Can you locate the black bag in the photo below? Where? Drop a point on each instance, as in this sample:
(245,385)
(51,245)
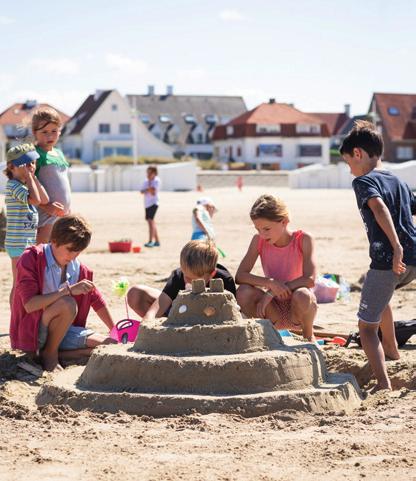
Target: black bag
(404,331)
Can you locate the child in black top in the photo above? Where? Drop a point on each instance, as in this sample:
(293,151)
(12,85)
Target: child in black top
(386,205)
(198,260)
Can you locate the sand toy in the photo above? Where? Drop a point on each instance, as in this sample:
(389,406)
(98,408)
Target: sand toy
(204,357)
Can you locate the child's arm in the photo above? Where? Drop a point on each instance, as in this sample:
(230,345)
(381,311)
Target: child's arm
(34,197)
(44,197)
(309,266)
(42,301)
(244,276)
(158,308)
(106,317)
(199,222)
(385,221)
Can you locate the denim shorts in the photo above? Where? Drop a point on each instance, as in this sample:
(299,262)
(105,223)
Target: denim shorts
(199,235)
(378,290)
(15,251)
(75,338)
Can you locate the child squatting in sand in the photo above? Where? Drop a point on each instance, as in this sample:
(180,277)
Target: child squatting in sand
(198,260)
(386,205)
(53,295)
(284,293)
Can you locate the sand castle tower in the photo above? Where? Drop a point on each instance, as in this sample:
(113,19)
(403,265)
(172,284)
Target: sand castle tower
(204,358)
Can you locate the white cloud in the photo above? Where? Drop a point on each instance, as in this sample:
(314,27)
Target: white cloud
(58,66)
(6,20)
(231,16)
(192,73)
(126,65)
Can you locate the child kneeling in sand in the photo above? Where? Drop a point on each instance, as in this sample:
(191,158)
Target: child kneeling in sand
(53,295)
(283,294)
(198,260)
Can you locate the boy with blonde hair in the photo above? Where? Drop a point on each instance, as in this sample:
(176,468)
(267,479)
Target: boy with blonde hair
(386,205)
(198,260)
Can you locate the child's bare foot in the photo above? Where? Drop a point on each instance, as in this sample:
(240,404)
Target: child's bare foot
(109,340)
(50,362)
(381,387)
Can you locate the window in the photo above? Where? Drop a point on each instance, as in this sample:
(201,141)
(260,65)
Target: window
(229,130)
(211,119)
(199,138)
(310,150)
(189,119)
(238,151)
(108,152)
(404,152)
(270,150)
(104,128)
(124,128)
(308,128)
(126,151)
(394,111)
(267,129)
(165,119)
(114,107)
(144,118)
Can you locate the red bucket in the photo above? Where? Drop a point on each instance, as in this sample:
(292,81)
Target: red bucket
(120,246)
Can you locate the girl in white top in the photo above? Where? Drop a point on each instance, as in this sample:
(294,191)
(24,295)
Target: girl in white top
(202,226)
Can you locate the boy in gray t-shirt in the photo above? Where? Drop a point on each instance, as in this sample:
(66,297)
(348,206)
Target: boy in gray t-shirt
(386,205)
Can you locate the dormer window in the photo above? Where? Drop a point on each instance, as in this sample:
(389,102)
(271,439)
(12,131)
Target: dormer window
(144,118)
(189,119)
(230,130)
(308,129)
(268,129)
(165,119)
(394,111)
(211,119)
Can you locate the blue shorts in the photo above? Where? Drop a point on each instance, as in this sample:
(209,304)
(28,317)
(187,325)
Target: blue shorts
(75,338)
(199,235)
(15,251)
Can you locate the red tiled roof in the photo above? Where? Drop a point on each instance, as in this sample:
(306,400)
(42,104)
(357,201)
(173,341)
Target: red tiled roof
(334,121)
(18,113)
(397,127)
(275,113)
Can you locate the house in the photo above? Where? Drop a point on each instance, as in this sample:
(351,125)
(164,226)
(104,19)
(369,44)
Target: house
(273,134)
(104,126)
(15,120)
(336,123)
(395,117)
(185,122)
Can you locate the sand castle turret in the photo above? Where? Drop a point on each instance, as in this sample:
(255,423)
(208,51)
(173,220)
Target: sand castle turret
(204,358)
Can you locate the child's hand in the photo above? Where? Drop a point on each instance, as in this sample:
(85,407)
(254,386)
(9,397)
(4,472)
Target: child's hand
(398,265)
(54,208)
(262,305)
(82,287)
(280,290)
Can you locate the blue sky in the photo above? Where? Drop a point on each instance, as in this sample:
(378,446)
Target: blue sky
(317,54)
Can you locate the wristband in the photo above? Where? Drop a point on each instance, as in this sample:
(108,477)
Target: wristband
(69,288)
(269,293)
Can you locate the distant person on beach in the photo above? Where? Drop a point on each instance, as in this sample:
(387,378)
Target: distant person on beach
(283,294)
(51,170)
(53,295)
(150,189)
(386,205)
(198,260)
(202,214)
(22,194)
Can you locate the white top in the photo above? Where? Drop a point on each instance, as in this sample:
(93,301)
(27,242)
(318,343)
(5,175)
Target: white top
(151,199)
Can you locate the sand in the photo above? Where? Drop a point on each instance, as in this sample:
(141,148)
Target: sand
(374,442)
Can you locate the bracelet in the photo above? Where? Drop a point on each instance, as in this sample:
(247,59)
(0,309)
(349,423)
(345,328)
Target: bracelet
(69,288)
(269,293)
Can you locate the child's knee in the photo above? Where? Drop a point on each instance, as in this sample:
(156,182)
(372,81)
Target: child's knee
(67,306)
(304,299)
(368,327)
(134,295)
(244,293)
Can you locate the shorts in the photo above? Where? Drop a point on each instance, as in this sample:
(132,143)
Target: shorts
(378,289)
(151,212)
(199,236)
(15,251)
(46,219)
(75,338)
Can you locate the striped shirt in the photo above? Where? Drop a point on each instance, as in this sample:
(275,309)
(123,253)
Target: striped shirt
(22,217)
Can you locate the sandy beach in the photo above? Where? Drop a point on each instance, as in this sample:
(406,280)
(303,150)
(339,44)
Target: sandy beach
(375,442)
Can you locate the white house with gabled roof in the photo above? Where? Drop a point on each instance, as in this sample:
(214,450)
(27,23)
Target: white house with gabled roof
(104,126)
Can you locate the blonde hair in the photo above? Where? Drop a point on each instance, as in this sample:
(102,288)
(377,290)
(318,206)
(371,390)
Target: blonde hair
(270,208)
(200,257)
(43,116)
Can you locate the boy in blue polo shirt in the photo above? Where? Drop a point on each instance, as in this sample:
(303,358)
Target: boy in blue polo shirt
(386,205)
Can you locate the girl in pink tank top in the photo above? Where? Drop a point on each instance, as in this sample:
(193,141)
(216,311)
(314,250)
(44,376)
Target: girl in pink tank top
(283,294)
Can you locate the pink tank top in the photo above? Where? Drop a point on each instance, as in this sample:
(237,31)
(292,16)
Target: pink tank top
(282,263)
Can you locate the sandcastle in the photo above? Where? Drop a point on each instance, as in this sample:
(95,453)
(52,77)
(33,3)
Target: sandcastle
(204,357)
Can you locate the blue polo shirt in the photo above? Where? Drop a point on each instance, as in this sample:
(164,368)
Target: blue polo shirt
(53,272)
